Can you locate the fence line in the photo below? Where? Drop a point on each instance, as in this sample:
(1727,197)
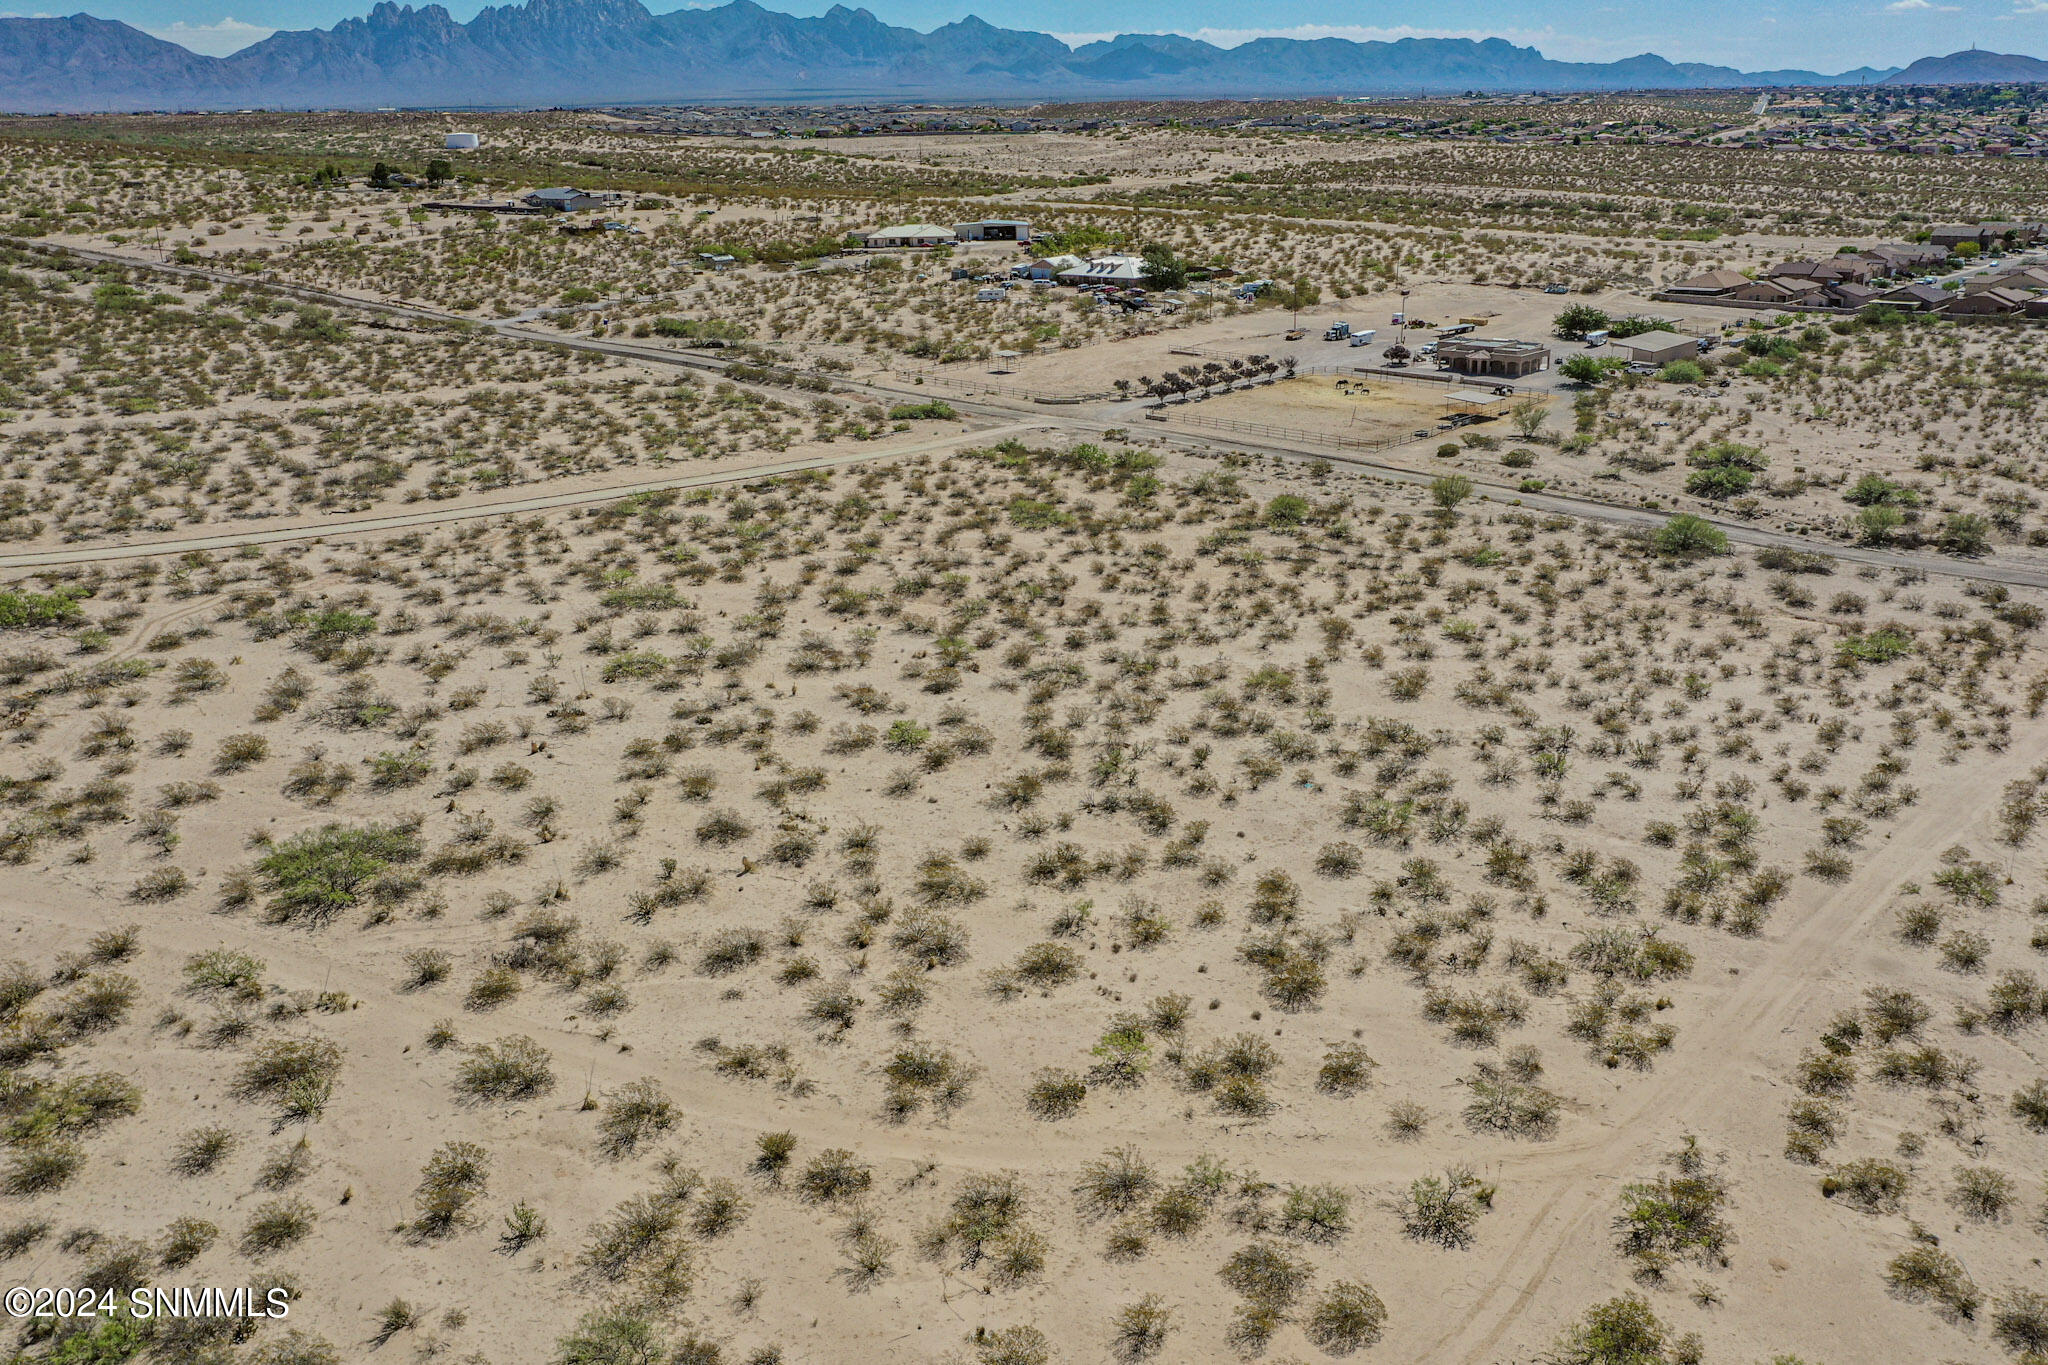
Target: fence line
(1321,438)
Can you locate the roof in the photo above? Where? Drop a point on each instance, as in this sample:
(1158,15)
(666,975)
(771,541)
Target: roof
(2012,297)
(558,192)
(1110,268)
(998,222)
(913,230)
(1658,340)
(1713,281)
(1471,343)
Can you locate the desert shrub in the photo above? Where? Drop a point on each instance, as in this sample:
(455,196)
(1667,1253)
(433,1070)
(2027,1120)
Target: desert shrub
(1315,1213)
(1623,1331)
(224,972)
(1116,1182)
(1057,1094)
(634,1112)
(1673,1217)
(1047,964)
(1925,1274)
(1868,1184)
(1267,1273)
(1509,1107)
(317,874)
(454,1177)
(1348,1316)
(614,1336)
(2030,1105)
(925,1073)
(772,1155)
(2019,1321)
(1686,536)
(1021,1345)
(1444,1209)
(185,1240)
(1139,1329)
(1981,1193)
(201,1150)
(514,1068)
(295,1074)
(1346,1069)
(987,1210)
(275,1225)
(832,1176)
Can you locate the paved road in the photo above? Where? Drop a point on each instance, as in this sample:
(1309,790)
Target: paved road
(1085,419)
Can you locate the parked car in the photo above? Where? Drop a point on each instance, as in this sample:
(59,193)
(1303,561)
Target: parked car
(1557,289)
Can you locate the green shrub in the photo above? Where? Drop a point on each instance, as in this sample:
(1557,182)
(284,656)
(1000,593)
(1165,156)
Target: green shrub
(1686,536)
(30,611)
(317,874)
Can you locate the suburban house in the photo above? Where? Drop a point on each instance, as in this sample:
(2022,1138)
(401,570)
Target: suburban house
(1774,290)
(2033,277)
(1117,270)
(1925,298)
(1829,269)
(1715,283)
(1987,235)
(1851,295)
(1493,357)
(1900,258)
(1990,303)
(994,230)
(2019,234)
(565,199)
(909,235)
(1657,348)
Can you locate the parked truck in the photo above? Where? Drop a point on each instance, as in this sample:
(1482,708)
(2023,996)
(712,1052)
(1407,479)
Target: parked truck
(1337,331)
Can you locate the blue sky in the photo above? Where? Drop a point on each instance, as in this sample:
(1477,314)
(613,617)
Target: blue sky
(1826,35)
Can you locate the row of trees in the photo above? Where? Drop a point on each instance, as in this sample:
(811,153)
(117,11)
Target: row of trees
(1209,375)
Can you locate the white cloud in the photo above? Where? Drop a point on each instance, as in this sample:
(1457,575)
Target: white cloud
(1920,7)
(2027,7)
(212,40)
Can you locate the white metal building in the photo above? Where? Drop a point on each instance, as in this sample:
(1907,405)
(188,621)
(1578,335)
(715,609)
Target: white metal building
(461,142)
(994,230)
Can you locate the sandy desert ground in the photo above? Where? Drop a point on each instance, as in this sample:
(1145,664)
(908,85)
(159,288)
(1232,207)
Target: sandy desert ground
(546,843)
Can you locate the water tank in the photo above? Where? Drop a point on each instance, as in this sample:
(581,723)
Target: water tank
(460,142)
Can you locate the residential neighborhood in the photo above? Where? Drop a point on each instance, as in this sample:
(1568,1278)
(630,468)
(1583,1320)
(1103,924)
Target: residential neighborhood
(1960,271)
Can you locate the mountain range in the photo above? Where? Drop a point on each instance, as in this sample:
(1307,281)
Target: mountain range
(587,52)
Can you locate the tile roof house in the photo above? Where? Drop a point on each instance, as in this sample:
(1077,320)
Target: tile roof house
(2033,277)
(1925,298)
(1712,283)
(1990,303)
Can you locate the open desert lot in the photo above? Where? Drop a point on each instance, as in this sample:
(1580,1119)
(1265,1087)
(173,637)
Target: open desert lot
(658,783)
